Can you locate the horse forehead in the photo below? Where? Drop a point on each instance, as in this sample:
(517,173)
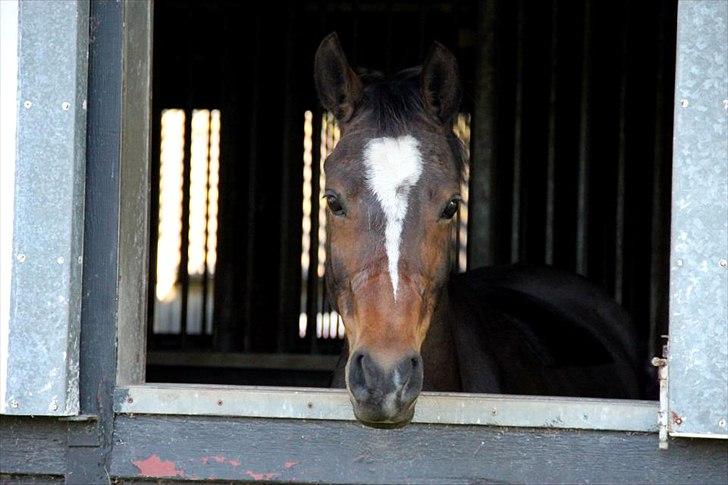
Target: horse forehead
(392,164)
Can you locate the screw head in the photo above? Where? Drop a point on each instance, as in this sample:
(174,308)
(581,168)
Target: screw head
(684,103)
(27,104)
(65,105)
(21,257)
(14,404)
(723,263)
(679,262)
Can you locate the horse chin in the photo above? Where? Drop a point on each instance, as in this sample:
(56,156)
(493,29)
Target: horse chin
(376,420)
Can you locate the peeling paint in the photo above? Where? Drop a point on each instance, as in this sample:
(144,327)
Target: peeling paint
(260,476)
(153,466)
(290,464)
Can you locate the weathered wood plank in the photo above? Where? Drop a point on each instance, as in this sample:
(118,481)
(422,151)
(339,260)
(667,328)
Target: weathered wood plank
(32,446)
(247,449)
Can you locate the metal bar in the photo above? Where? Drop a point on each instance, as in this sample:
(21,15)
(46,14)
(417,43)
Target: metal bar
(482,215)
(552,136)
(516,188)
(286,325)
(432,407)
(582,198)
(660,222)
(206,238)
(619,213)
(184,275)
(252,201)
(312,283)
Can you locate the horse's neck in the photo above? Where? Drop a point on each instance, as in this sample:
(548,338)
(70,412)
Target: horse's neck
(439,352)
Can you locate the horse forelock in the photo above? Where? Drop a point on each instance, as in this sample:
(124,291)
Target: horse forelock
(393,106)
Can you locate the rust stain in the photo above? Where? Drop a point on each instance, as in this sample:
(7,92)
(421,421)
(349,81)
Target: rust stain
(235,463)
(290,464)
(153,466)
(676,418)
(260,476)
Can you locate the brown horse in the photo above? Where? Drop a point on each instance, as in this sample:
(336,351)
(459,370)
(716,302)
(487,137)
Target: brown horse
(392,190)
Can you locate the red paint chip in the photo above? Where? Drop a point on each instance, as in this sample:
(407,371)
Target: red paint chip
(260,476)
(153,466)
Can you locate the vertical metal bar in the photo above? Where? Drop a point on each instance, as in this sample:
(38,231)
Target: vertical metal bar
(582,198)
(184,276)
(659,254)
(156,128)
(621,161)
(286,325)
(205,272)
(252,186)
(552,136)
(481,223)
(311,284)
(516,188)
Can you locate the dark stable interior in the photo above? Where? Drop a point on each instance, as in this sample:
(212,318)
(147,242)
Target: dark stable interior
(581,104)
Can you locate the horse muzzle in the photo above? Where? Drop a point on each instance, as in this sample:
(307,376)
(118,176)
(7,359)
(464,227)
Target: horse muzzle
(384,395)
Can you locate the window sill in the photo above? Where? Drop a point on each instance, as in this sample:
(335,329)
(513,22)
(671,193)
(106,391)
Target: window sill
(432,407)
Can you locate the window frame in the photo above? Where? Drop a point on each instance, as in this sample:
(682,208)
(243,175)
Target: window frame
(134,396)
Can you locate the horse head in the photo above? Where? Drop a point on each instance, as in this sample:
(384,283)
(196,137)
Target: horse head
(392,189)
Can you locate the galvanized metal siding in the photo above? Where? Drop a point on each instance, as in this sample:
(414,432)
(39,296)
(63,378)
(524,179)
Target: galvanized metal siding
(698,348)
(42,367)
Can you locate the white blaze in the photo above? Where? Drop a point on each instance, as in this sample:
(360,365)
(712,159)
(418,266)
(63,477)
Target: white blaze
(393,167)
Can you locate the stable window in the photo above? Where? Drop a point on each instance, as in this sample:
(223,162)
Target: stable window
(235,271)
(227,159)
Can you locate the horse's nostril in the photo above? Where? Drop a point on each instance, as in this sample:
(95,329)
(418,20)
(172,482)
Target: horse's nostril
(415,362)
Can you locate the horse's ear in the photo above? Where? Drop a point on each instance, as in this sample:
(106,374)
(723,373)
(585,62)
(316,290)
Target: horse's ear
(338,86)
(440,83)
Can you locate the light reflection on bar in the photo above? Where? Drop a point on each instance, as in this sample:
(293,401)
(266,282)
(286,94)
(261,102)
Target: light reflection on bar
(462,130)
(202,213)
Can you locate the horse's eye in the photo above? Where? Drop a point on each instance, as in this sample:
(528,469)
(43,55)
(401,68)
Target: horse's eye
(334,205)
(450,209)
